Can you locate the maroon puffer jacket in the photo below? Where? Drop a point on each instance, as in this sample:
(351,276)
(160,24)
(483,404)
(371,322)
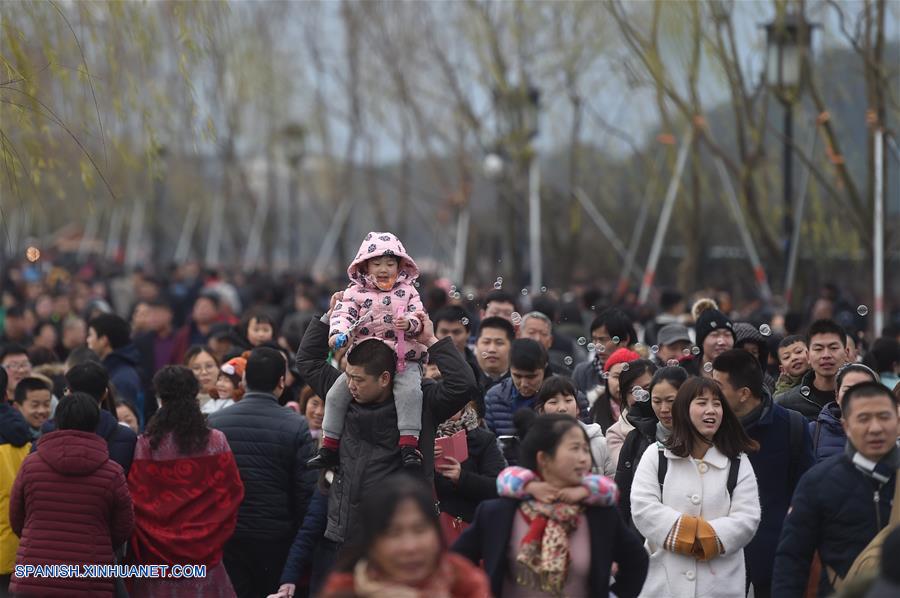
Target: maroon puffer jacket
(69,505)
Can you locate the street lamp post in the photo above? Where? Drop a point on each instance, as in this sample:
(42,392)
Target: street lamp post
(294,143)
(788,39)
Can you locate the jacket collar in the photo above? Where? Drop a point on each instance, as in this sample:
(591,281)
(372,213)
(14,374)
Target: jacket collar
(713,457)
(253,394)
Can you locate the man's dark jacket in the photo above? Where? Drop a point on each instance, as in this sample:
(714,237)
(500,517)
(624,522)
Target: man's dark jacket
(795,399)
(834,511)
(369,451)
(778,466)
(271,445)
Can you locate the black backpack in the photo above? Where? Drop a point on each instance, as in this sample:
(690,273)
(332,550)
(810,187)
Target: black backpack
(733,469)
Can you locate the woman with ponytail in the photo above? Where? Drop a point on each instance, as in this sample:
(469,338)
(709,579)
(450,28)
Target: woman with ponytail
(181,459)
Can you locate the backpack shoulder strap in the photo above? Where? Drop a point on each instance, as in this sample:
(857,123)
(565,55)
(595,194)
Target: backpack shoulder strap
(733,468)
(661,469)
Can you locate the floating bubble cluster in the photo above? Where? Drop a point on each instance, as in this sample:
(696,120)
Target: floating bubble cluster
(862,310)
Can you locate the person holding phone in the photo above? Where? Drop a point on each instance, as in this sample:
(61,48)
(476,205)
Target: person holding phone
(461,486)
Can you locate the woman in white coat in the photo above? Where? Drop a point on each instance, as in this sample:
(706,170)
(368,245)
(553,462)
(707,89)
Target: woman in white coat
(557,395)
(696,501)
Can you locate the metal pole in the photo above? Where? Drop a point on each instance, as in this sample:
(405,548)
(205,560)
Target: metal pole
(462,242)
(183,249)
(758,271)
(602,224)
(665,216)
(638,232)
(878,236)
(534,223)
(296,238)
(331,237)
(214,240)
(788,179)
(795,240)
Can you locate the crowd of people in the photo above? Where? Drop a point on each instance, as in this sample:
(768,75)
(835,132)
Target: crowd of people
(402,437)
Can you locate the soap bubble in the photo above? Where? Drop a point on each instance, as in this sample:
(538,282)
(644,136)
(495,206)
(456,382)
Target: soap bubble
(615,339)
(862,310)
(568,360)
(470,296)
(416,284)
(582,341)
(654,349)
(696,350)
(498,285)
(765,330)
(686,352)
(591,346)
(642,396)
(636,390)
(804,390)
(452,288)
(672,363)
(516,318)
(601,348)
(543,289)
(524,292)
(707,367)
(464,321)
(625,367)
(500,279)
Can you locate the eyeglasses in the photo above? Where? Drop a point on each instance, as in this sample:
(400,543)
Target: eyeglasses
(21,366)
(209,367)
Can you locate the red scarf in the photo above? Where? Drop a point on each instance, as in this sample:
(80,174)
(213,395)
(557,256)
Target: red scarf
(184,509)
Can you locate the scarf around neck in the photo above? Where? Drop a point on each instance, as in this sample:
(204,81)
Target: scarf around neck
(881,471)
(368,584)
(468,422)
(543,558)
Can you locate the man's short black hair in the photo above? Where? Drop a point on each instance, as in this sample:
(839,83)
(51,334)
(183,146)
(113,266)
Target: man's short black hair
(452,313)
(114,328)
(77,411)
(12,349)
(865,390)
(617,323)
(743,370)
(498,323)
(16,311)
(81,355)
(30,384)
(546,305)
(826,327)
(88,377)
(374,357)
(527,354)
(790,340)
(669,298)
(265,367)
(499,296)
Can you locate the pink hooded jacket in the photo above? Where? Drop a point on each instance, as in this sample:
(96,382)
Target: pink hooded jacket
(376,309)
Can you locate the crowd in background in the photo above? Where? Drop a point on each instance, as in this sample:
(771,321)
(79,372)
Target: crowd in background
(688,448)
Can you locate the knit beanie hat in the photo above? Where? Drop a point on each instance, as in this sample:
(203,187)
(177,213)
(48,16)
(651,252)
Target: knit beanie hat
(708,319)
(620,356)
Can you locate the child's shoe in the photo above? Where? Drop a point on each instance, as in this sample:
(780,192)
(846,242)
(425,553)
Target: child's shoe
(325,458)
(411,458)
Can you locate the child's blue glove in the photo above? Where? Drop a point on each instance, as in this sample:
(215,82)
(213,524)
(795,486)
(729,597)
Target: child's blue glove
(341,340)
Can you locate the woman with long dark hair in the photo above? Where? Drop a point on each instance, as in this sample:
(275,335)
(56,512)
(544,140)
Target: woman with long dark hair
(558,546)
(695,498)
(181,459)
(401,552)
(651,416)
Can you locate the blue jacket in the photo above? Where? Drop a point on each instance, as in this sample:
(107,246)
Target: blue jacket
(503,400)
(305,556)
(827,433)
(120,440)
(778,465)
(14,430)
(122,366)
(487,540)
(835,512)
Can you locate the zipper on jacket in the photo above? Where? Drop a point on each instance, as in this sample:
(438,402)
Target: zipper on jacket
(877,500)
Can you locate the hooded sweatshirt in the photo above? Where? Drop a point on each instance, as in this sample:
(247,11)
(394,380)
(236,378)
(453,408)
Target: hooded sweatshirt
(79,531)
(603,463)
(372,310)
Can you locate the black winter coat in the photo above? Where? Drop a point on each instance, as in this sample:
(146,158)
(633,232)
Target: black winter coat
(795,400)
(477,480)
(836,510)
(487,539)
(271,445)
(634,447)
(369,451)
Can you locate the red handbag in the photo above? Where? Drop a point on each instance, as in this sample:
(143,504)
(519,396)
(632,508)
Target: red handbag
(452,527)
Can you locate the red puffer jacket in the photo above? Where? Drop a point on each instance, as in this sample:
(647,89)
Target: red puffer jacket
(69,505)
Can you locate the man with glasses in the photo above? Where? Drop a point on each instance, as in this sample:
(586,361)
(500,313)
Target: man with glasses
(14,359)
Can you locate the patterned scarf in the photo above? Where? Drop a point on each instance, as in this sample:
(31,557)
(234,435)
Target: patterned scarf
(468,422)
(543,559)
